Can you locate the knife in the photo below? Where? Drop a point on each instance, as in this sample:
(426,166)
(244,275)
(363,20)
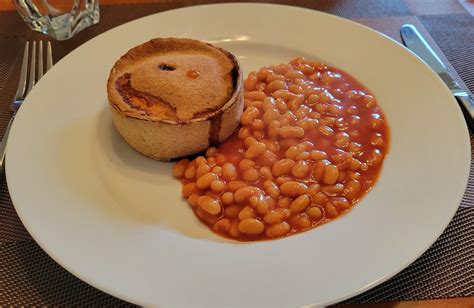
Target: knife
(416,43)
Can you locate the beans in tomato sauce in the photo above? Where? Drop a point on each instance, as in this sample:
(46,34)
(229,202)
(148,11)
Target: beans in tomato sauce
(311,144)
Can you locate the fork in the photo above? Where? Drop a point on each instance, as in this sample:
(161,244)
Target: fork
(23,87)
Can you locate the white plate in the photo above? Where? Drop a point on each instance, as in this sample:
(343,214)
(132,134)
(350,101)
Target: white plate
(116,219)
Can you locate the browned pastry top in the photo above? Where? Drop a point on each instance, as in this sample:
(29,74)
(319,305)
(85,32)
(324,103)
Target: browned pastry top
(171,79)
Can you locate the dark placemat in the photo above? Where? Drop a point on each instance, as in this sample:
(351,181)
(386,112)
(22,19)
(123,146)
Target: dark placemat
(29,277)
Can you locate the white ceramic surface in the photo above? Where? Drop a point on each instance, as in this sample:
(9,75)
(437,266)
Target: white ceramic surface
(116,219)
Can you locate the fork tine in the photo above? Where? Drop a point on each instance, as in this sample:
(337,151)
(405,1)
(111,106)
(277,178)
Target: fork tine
(31,82)
(24,70)
(40,60)
(49,57)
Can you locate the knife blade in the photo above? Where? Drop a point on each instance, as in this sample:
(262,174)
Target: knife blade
(414,41)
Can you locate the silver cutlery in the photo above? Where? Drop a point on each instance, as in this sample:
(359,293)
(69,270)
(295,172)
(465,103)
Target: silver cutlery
(416,43)
(36,71)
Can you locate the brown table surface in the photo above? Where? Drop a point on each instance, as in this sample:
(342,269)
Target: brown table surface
(383,15)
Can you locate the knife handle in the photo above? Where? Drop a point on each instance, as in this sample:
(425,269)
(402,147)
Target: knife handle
(467,101)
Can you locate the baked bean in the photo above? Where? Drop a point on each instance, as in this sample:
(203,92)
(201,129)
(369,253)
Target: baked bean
(303,156)
(262,207)
(287,143)
(227,198)
(270,115)
(291,132)
(255,95)
(236,185)
(282,167)
(300,204)
(318,155)
(205,180)
(330,210)
(217,170)
(268,104)
(190,172)
(258,134)
(288,119)
(319,169)
(234,228)
(300,169)
(281,105)
(232,211)
(282,68)
(313,189)
(331,174)
(355,148)
(295,103)
(245,164)
(202,169)
(278,229)
(249,141)
(257,124)
(217,186)
(307,123)
(251,83)
(256,104)
(263,73)
(293,188)
(284,94)
(340,203)
(266,173)
(302,112)
(314,212)
(352,189)
(376,139)
(255,150)
(244,133)
(189,189)
(284,202)
(375,157)
(276,85)
(200,160)
(211,161)
(273,217)
(326,130)
(376,121)
(305,69)
(273,127)
(303,221)
(222,225)
(353,175)
(294,88)
(324,98)
(250,175)
(209,205)
(246,212)
(320,198)
(294,74)
(192,200)
(250,114)
(244,193)
(272,189)
(333,190)
(369,101)
(229,172)
(180,167)
(251,226)
(283,179)
(220,159)
(342,140)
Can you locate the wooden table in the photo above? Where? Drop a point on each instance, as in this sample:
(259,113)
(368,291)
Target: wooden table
(418,7)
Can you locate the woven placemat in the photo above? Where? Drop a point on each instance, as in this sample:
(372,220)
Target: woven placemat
(29,277)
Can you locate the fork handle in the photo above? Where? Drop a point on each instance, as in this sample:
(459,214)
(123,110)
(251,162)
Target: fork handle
(3,146)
